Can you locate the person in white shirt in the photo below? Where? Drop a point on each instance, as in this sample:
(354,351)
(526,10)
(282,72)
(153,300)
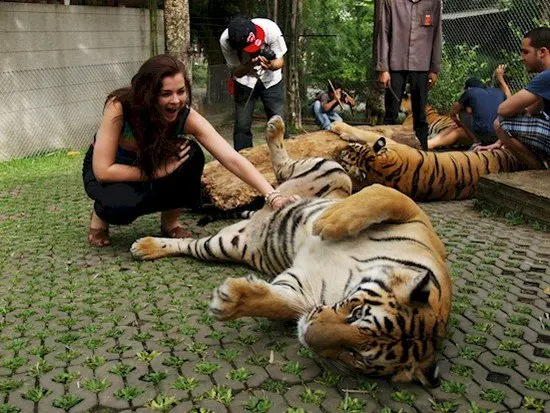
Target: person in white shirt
(254,50)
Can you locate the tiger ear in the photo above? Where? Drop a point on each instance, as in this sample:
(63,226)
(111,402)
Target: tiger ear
(379,144)
(419,287)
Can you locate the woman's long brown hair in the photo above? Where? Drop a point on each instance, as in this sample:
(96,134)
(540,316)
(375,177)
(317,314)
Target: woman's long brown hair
(139,104)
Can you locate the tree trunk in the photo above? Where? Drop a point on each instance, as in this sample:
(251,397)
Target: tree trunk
(294,113)
(153,13)
(177,30)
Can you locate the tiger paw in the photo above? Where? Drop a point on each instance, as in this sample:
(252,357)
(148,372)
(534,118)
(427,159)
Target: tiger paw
(234,298)
(148,248)
(338,222)
(275,128)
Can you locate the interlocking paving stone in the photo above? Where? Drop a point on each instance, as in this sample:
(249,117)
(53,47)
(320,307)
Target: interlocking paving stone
(69,308)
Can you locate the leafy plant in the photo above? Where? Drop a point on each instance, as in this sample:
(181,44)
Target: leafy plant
(128,393)
(258,360)
(533,403)
(185,383)
(541,368)
(313,396)
(493,395)
(538,384)
(503,361)
(275,386)
(154,377)
(444,406)
(241,374)
(509,345)
(96,385)
(174,361)
(94,362)
(65,377)
(352,405)
(221,394)
(36,394)
(162,403)
(121,369)
(449,386)
(205,367)
(67,401)
(457,64)
(404,396)
(258,404)
(292,367)
(148,356)
(227,354)
(8,408)
(462,370)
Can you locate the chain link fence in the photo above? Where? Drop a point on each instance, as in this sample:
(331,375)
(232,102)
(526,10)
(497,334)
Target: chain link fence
(45,110)
(478,36)
(49,109)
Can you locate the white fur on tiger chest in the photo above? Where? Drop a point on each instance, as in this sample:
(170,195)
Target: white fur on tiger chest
(334,265)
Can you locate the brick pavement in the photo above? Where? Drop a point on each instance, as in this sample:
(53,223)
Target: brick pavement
(92,330)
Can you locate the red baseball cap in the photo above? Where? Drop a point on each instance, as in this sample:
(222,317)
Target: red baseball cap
(245,35)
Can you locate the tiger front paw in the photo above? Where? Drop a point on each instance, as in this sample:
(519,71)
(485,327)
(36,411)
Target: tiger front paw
(233,298)
(148,248)
(338,222)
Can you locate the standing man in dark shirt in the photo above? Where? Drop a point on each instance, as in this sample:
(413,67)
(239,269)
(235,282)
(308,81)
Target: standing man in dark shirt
(408,48)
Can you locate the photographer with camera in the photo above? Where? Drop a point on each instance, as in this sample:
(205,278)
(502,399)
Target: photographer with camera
(325,103)
(254,50)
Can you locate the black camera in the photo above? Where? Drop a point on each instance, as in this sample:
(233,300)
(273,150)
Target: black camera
(266,52)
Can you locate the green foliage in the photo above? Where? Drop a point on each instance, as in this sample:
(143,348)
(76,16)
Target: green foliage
(457,64)
(339,41)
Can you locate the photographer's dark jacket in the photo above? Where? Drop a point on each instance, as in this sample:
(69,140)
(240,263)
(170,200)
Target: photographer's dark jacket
(408,35)
(273,39)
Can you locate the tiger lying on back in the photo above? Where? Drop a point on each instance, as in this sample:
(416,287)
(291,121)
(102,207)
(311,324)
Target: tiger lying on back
(422,175)
(365,275)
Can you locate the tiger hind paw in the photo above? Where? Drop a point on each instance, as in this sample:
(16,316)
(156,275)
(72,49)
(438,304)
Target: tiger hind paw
(148,248)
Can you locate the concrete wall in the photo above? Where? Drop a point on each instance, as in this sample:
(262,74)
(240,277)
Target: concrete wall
(57,65)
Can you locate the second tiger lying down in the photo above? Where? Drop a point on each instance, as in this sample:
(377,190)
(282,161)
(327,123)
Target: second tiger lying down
(422,175)
(364,276)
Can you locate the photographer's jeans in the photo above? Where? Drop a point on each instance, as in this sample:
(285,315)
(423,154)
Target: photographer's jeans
(323,119)
(273,100)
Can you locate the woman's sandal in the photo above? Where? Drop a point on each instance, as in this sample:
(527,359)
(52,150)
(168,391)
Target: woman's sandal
(176,232)
(99,237)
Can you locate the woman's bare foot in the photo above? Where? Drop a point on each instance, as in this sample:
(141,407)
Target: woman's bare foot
(99,232)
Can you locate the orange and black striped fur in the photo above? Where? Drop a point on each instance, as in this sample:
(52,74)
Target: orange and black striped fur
(437,122)
(365,276)
(422,175)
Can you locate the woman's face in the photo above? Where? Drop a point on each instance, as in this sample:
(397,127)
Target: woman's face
(172,97)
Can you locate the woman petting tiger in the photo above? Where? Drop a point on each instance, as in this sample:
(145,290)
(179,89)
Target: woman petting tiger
(365,275)
(422,175)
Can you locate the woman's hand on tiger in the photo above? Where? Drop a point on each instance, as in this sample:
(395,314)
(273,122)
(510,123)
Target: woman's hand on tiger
(174,163)
(281,201)
(384,78)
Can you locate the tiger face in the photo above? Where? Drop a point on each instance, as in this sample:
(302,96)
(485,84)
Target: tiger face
(359,161)
(387,326)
